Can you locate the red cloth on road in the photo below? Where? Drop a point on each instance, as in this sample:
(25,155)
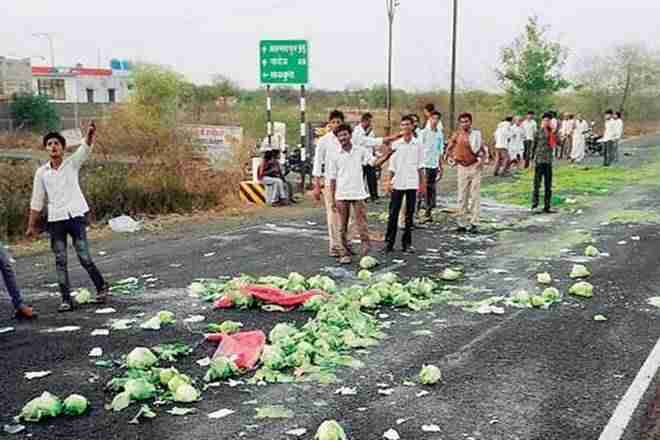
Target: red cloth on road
(244,348)
(270,295)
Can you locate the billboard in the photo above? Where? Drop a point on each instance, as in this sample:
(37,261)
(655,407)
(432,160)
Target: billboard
(217,139)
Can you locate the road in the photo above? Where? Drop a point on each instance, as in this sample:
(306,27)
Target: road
(527,374)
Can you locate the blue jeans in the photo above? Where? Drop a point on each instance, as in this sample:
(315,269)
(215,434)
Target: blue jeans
(76,228)
(9,277)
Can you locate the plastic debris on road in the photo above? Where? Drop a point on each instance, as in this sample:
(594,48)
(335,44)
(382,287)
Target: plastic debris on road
(219,414)
(244,348)
(37,374)
(124,224)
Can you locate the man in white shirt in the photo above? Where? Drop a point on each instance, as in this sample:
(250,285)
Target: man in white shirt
(619,135)
(406,178)
(502,141)
(58,182)
(609,136)
(566,135)
(325,147)
(530,128)
(363,136)
(348,191)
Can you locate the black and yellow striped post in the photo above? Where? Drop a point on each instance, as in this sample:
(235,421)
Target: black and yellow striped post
(253,192)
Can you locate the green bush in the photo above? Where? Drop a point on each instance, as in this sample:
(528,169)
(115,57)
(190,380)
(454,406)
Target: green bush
(35,112)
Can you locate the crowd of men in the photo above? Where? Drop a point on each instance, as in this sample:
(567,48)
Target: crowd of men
(345,171)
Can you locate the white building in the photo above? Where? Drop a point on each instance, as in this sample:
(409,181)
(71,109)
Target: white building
(15,76)
(81,84)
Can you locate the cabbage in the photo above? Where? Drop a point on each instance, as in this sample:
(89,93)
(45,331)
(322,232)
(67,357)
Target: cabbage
(46,405)
(221,368)
(166,317)
(450,275)
(371,300)
(591,251)
(389,278)
(323,283)
(421,286)
(430,375)
(239,300)
(121,401)
(551,294)
(177,381)
(141,358)
(521,298)
(544,278)
(538,301)
(368,262)
(315,303)
(279,282)
(330,430)
(600,318)
(303,354)
(273,358)
(364,275)
(402,298)
(197,289)
(75,405)
(281,331)
(84,296)
(227,327)
(151,324)
(186,393)
(579,271)
(139,389)
(582,289)
(296,283)
(166,374)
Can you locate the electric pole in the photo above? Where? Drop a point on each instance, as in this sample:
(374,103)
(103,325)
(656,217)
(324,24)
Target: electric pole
(49,36)
(391,7)
(452,97)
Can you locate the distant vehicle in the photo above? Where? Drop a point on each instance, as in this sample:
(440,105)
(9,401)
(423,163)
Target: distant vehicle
(593,146)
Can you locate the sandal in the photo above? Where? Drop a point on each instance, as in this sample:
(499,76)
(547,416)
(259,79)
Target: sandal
(65,307)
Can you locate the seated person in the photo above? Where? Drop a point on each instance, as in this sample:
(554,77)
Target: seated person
(270,174)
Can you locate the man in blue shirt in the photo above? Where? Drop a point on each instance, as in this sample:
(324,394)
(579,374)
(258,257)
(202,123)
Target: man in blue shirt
(433,145)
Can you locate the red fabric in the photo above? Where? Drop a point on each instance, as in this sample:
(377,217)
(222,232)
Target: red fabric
(271,295)
(552,137)
(244,348)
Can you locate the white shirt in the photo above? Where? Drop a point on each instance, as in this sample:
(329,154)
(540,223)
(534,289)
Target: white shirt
(345,167)
(530,127)
(405,163)
(327,145)
(567,127)
(503,135)
(62,187)
(360,138)
(517,139)
(611,131)
(580,128)
(619,128)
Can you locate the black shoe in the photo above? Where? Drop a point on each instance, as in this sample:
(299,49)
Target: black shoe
(409,250)
(535,206)
(387,250)
(461,229)
(549,211)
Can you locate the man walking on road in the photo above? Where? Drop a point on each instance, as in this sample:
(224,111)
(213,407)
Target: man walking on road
(609,137)
(465,149)
(542,154)
(347,189)
(58,182)
(433,144)
(22,311)
(530,128)
(406,178)
(502,140)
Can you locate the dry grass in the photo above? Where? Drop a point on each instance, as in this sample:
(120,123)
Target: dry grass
(20,140)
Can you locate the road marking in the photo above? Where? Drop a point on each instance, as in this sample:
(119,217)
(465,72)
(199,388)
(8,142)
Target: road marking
(623,413)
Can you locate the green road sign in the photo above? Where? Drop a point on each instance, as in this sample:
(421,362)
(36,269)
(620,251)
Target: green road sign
(284,61)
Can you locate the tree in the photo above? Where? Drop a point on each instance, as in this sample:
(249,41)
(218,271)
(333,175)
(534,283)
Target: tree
(157,89)
(224,86)
(531,71)
(35,112)
(618,78)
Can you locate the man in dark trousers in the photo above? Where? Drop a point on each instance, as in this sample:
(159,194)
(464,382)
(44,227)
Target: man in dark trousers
(406,179)
(543,150)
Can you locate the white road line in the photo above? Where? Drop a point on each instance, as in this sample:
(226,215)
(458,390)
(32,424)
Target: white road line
(616,427)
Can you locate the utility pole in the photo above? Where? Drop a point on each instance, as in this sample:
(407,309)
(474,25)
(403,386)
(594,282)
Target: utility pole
(452,97)
(49,36)
(391,7)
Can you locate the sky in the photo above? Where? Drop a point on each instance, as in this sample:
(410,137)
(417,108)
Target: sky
(347,38)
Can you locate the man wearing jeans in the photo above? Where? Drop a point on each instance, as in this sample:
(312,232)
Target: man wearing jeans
(406,178)
(467,152)
(22,311)
(58,181)
(542,154)
(433,144)
(609,137)
(348,191)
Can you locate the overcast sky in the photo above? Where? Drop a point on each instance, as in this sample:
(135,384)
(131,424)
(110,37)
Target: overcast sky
(347,37)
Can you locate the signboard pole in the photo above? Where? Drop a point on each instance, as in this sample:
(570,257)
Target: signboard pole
(303,133)
(269,117)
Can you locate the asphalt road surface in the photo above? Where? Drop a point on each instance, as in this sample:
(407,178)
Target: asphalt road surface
(526,374)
